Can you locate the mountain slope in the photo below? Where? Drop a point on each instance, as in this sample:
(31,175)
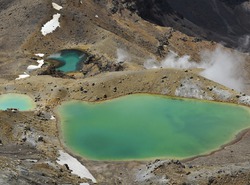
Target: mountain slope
(218,20)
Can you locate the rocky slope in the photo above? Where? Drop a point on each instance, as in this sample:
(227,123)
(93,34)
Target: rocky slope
(218,20)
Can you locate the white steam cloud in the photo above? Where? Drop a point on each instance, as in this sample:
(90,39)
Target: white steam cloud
(246,6)
(222,66)
(244,42)
(172,60)
(122,56)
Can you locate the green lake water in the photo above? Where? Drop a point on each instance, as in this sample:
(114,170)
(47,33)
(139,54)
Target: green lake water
(70,60)
(18,101)
(149,126)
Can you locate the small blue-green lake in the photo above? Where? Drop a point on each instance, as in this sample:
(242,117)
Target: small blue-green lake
(149,126)
(18,101)
(69,60)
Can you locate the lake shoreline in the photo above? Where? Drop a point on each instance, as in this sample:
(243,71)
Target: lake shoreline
(238,137)
(210,152)
(60,61)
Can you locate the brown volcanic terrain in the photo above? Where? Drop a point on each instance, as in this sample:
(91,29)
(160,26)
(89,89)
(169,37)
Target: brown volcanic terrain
(30,140)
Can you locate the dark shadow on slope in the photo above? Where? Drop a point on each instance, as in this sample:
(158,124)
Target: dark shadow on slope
(217,20)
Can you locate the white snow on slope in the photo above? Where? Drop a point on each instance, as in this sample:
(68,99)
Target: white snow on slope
(56,6)
(74,165)
(24,75)
(52,117)
(33,67)
(39,54)
(51,25)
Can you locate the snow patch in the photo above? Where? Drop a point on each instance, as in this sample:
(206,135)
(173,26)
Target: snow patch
(51,25)
(33,67)
(56,6)
(52,117)
(40,62)
(39,55)
(22,76)
(74,165)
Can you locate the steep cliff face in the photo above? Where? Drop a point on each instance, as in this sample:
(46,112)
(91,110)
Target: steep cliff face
(218,20)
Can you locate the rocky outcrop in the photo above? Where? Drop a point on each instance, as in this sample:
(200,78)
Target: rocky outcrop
(217,20)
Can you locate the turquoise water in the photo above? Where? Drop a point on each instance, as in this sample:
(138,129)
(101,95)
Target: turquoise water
(18,101)
(149,126)
(70,60)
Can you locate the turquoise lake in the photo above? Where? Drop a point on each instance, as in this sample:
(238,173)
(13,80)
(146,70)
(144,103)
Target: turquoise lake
(18,101)
(149,126)
(70,60)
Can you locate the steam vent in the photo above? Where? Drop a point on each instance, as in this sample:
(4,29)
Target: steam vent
(125,92)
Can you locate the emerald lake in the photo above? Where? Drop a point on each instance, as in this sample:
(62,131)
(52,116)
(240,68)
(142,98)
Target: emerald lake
(18,101)
(69,60)
(146,126)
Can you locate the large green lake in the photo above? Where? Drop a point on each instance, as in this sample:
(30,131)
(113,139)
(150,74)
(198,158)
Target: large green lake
(70,60)
(149,126)
(18,101)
